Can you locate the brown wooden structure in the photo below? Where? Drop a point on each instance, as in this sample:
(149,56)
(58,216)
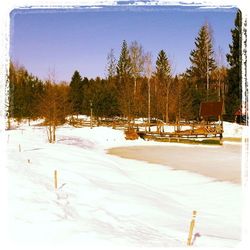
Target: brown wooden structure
(210,125)
(211,110)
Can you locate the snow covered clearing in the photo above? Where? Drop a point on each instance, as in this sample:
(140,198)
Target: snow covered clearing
(107,201)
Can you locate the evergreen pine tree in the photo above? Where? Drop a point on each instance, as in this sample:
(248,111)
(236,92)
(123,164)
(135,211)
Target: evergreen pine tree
(20,89)
(24,90)
(76,92)
(163,74)
(124,84)
(202,59)
(124,64)
(233,97)
(163,69)
(10,104)
(30,97)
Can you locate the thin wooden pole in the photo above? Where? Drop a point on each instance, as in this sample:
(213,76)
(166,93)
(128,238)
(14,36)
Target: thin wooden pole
(19,147)
(191,228)
(55,179)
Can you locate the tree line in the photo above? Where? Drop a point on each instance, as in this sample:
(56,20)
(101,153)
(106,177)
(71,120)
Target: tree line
(135,86)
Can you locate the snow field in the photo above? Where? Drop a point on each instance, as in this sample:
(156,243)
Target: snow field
(105,201)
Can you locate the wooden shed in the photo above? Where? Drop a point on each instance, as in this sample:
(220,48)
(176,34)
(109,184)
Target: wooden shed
(211,110)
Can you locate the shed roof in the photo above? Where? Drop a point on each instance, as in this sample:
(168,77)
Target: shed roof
(211,109)
(240,111)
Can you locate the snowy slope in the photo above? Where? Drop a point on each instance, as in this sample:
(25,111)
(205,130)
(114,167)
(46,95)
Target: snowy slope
(106,201)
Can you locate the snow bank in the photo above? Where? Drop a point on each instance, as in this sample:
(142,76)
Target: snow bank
(235,130)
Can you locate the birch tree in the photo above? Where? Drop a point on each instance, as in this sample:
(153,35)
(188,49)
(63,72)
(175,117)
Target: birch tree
(111,65)
(137,61)
(148,73)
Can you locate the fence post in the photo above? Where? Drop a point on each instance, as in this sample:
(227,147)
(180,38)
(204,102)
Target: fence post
(191,228)
(19,147)
(55,179)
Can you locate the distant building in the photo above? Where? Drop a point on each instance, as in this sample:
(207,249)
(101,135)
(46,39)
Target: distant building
(240,115)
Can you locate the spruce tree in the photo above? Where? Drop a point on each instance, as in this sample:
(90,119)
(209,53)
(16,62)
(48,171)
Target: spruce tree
(10,100)
(20,93)
(233,97)
(30,97)
(124,84)
(124,64)
(163,75)
(163,69)
(202,59)
(76,93)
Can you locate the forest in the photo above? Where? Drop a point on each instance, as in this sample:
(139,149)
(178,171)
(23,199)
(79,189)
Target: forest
(135,86)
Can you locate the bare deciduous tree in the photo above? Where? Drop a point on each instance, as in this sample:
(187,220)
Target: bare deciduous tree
(148,73)
(54,106)
(137,61)
(111,65)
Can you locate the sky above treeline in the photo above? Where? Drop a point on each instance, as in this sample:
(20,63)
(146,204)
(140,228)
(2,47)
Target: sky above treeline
(64,40)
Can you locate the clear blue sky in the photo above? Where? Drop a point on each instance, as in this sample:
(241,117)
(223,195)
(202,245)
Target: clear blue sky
(80,39)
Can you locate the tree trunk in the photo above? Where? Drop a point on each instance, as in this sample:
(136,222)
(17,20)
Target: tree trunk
(167,119)
(207,74)
(9,125)
(134,86)
(49,133)
(148,104)
(54,134)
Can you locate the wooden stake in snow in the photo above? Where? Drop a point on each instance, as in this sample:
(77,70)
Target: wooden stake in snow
(191,228)
(55,179)
(19,146)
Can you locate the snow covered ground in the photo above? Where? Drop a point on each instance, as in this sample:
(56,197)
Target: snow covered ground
(104,201)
